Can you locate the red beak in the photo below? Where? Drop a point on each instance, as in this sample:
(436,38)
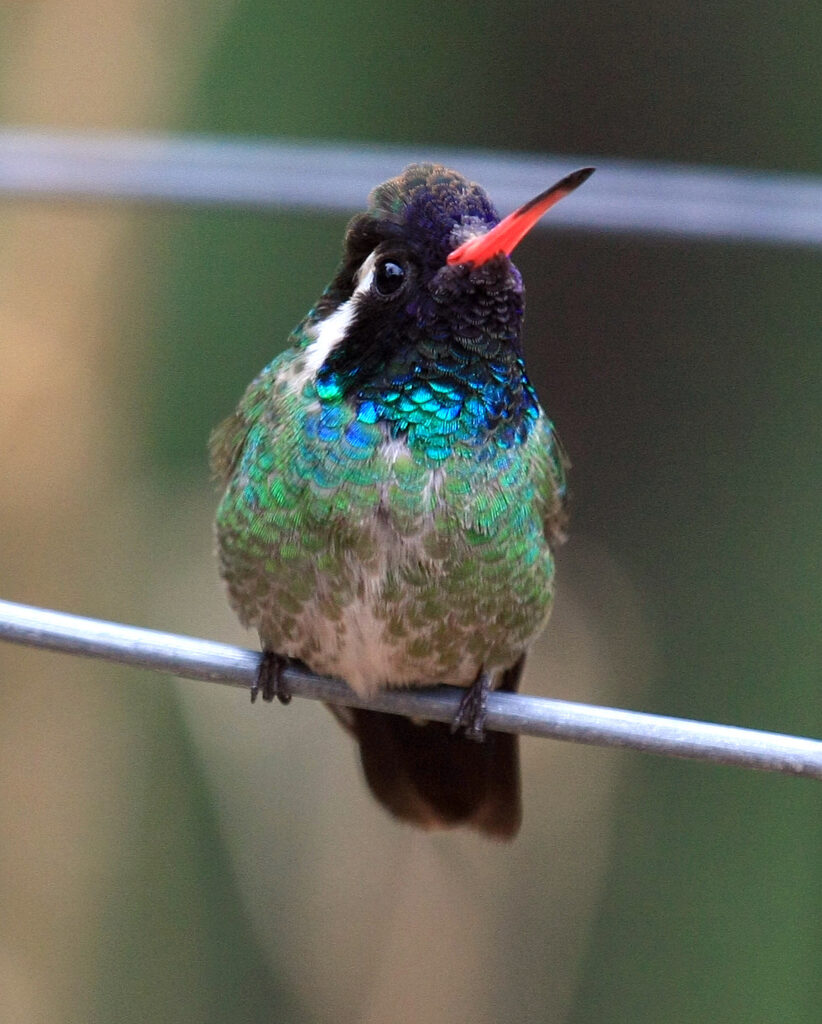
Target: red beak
(507,235)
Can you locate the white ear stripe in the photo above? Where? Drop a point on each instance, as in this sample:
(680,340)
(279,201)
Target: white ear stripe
(330,332)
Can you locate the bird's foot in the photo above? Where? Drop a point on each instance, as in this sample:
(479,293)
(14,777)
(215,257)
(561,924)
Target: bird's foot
(473,709)
(270,680)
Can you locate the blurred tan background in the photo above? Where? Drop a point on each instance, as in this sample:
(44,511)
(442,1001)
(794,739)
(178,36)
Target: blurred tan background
(168,851)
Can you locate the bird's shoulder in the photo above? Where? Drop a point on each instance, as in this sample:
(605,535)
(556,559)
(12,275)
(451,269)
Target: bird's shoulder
(261,400)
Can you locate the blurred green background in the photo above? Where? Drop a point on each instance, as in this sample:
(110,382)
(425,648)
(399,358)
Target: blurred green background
(168,852)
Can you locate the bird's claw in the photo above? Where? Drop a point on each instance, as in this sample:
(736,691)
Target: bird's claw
(269,681)
(473,709)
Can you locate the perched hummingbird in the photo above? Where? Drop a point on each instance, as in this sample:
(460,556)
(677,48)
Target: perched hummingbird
(393,491)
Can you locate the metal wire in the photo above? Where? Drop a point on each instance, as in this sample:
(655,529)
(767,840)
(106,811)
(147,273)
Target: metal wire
(507,712)
(624,196)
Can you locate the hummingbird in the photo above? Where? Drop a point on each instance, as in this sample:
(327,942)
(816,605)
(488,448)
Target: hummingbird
(394,492)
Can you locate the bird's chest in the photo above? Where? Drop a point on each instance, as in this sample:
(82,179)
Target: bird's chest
(370,561)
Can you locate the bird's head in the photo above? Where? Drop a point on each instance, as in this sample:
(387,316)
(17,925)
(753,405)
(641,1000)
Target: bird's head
(421,325)
(429,265)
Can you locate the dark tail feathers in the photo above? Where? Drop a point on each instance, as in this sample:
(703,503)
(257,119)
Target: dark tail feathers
(424,774)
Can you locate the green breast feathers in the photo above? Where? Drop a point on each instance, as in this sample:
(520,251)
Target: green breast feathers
(346,545)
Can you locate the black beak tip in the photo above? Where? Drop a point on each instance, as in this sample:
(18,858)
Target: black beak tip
(577,178)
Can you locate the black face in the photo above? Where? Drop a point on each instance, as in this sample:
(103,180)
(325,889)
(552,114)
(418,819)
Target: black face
(411,308)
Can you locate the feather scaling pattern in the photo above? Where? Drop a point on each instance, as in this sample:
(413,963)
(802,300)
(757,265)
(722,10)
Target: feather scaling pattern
(393,488)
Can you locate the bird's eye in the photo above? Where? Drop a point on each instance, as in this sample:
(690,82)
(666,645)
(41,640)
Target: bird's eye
(388,277)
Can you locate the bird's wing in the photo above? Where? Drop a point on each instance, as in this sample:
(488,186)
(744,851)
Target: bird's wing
(557,463)
(226,444)
(228,439)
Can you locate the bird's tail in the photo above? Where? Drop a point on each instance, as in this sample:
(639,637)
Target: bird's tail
(426,775)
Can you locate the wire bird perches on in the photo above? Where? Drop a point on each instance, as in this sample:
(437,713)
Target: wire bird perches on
(507,712)
(627,195)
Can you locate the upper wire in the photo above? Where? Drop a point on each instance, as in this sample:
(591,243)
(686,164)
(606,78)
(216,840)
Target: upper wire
(644,198)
